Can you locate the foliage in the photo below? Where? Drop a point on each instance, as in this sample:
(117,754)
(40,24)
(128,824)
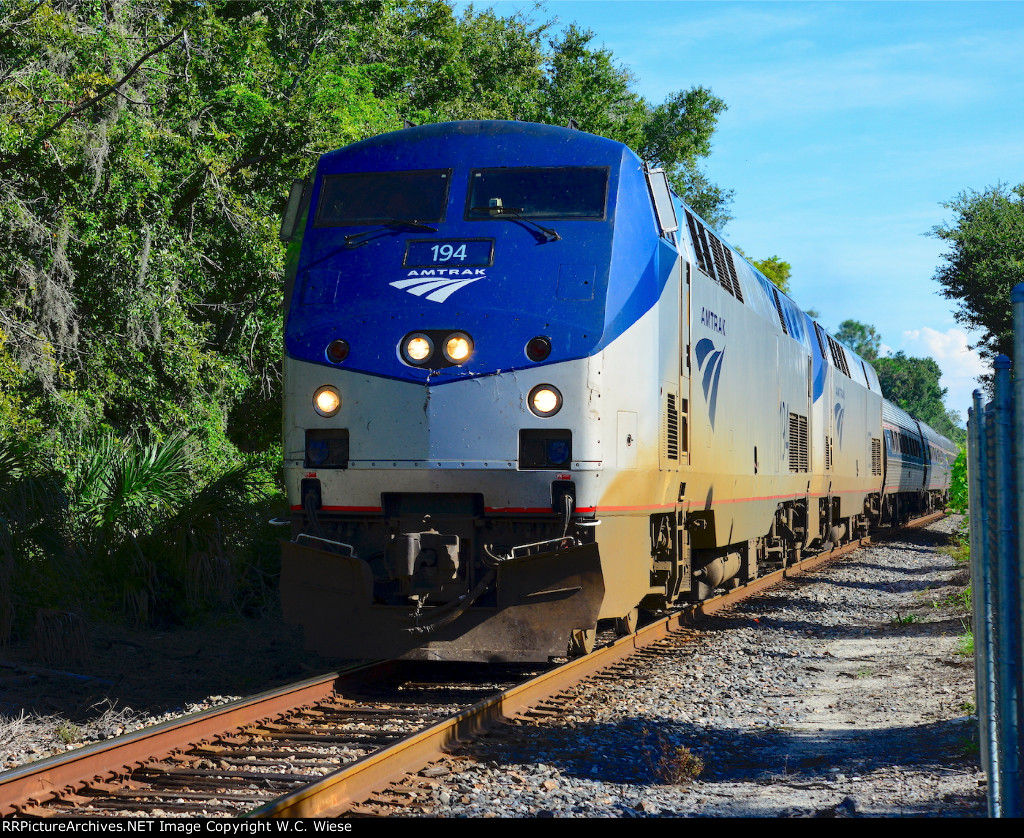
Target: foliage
(129,531)
(146,149)
(776,270)
(584,84)
(860,337)
(985,261)
(32,515)
(958,483)
(667,761)
(913,384)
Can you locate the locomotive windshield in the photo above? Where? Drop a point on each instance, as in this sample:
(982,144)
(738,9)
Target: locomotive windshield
(381,197)
(577,192)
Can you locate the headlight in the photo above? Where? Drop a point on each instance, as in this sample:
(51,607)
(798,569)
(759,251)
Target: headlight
(326,401)
(545,400)
(458,347)
(417,349)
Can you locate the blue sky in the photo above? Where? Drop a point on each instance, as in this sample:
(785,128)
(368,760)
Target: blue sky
(849,124)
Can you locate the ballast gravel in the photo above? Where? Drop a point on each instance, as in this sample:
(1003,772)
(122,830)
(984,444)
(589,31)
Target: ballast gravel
(839,693)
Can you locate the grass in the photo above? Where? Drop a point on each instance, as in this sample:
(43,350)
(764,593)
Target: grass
(961,599)
(905,619)
(965,643)
(959,547)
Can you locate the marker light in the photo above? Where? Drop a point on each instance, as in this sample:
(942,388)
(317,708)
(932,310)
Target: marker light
(418,349)
(326,401)
(458,347)
(337,351)
(545,400)
(538,348)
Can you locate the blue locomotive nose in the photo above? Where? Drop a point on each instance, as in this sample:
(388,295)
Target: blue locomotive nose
(401,231)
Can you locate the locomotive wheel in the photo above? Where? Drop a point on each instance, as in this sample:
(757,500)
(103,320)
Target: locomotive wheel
(581,642)
(627,625)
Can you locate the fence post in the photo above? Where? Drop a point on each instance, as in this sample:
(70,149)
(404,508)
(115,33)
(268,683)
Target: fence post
(1017,559)
(981,600)
(1007,599)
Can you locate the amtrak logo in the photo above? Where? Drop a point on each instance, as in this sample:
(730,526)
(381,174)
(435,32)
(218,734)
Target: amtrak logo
(709,361)
(840,413)
(438,284)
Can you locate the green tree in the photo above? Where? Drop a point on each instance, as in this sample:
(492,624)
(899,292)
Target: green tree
(860,337)
(585,84)
(984,262)
(913,384)
(146,149)
(776,270)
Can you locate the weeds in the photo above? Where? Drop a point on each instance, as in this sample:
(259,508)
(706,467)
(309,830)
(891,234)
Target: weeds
(965,643)
(959,548)
(967,747)
(961,599)
(905,619)
(68,732)
(669,762)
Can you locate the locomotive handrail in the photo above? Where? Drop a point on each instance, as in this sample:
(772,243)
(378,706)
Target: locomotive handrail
(538,544)
(306,535)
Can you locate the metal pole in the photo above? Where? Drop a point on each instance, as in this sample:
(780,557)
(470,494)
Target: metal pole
(1017,432)
(1007,596)
(981,601)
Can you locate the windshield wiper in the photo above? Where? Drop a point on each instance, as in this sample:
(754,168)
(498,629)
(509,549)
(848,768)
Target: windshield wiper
(353,240)
(513,213)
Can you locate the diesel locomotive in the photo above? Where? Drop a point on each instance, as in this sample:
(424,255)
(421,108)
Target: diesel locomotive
(528,389)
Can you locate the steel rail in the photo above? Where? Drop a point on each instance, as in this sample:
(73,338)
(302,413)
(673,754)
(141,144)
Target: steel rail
(333,794)
(34,783)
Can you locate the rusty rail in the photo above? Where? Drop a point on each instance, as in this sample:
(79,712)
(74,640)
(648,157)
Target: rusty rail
(334,794)
(35,783)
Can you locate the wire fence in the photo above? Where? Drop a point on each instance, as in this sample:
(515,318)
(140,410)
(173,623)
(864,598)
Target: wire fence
(995,455)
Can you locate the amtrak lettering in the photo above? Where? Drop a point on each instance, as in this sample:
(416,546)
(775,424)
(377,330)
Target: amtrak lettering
(712,321)
(425,283)
(479,273)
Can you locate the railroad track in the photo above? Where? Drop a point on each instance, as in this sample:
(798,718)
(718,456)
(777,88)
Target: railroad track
(351,742)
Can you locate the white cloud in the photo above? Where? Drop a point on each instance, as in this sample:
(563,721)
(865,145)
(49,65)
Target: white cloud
(960,364)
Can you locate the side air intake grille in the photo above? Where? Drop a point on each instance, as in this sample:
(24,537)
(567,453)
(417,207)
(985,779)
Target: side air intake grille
(876,456)
(671,436)
(778,308)
(838,356)
(828,453)
(821,345)
(713,257)
(798,459)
